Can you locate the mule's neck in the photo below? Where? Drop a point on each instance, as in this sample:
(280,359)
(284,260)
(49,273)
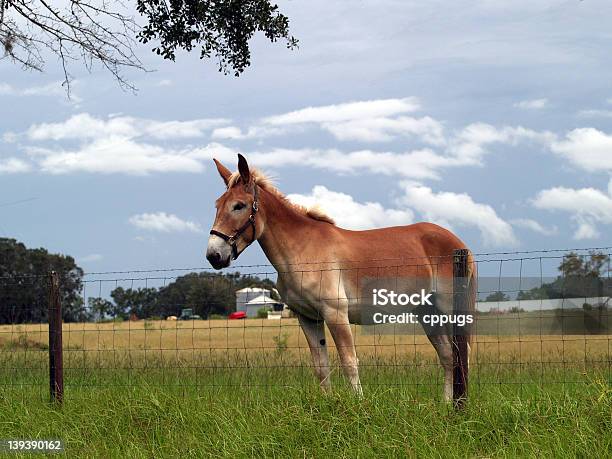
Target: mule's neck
(286,232)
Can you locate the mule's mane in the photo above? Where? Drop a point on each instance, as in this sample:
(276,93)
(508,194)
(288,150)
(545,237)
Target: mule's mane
(314,212)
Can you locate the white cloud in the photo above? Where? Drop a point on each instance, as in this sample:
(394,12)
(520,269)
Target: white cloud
(469,143)
(228,132)
(346,112)
(366,121)
(532,104)
(386,129)
(253,132)
(9,137)
(586,230)
(115,155)
(84,126)
(418,164)
(52,89)
(163,222)
(351,214)
(137,153)
(595,113)
(466,149)
(534,226)
(587,148)
(115,145)
(163,83)
(587,207)
(13,166)
(448,209)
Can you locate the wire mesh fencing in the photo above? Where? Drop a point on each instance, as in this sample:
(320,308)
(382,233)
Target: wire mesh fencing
(541,327)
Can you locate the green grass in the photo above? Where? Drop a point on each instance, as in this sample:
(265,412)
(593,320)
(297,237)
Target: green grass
(271,407)
(153,422)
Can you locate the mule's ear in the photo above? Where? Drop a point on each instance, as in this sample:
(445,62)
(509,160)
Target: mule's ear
(243,168)
(224,172)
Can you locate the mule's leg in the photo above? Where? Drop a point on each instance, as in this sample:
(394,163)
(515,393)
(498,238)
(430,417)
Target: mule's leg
(315,336)
(340,329)
(442,345)
(440,338)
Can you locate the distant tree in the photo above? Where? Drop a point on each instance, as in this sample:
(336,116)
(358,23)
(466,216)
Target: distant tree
(580,276)
(100,307)
(497,296)
(536,293)
(207,293)
(141,302)
(24,283)
(593,265)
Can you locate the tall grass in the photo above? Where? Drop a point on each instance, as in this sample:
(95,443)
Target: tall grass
(148,420)
(241,392)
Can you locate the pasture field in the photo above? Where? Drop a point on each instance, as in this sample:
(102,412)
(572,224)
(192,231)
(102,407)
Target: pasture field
(246,389)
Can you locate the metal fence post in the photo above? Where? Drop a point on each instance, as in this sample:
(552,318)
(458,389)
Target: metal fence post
(56,361)
(460,338)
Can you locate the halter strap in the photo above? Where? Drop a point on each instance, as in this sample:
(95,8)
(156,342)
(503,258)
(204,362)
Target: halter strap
(231,240)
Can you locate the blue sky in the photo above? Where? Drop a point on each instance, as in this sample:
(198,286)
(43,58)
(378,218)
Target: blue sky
(493,118)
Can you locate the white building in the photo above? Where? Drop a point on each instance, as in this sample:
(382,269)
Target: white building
(253,306)
(243,296)
(252,299)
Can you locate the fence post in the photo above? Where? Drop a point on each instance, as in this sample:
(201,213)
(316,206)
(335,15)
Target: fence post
(56,361)
(460,338)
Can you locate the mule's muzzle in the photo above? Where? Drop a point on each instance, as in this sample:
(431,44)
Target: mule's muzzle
(216,259)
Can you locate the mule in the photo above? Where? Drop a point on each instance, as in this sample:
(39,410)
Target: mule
(320,265)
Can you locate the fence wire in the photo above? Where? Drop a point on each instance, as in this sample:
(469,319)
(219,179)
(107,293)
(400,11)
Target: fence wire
(542,328)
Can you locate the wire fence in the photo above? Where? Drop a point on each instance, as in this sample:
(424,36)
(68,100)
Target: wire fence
(541,327)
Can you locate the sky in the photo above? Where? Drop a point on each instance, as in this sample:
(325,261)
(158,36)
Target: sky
(489,117)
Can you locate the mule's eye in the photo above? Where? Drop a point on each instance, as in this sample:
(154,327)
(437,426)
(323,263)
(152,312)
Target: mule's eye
(239,206)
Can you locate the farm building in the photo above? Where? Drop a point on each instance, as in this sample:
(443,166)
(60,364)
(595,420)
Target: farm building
(252,299)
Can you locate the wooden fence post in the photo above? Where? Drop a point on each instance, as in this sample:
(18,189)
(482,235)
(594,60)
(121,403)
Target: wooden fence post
(460,338)
(56,361)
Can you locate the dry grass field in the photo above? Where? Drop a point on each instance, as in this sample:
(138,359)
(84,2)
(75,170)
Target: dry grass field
(238,342)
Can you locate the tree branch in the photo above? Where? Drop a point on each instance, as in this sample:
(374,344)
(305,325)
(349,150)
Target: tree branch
(84,30)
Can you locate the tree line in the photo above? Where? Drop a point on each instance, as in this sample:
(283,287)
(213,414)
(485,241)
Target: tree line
(580,277)
(206,293)
(24,283)
(24,290)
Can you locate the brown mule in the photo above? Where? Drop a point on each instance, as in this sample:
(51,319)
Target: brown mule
(321,266)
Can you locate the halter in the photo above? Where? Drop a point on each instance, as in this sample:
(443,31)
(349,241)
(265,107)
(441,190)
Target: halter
(231,240)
